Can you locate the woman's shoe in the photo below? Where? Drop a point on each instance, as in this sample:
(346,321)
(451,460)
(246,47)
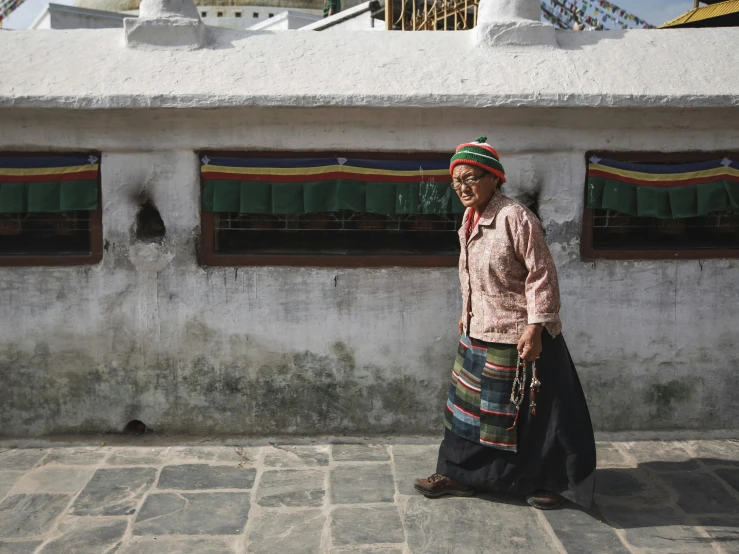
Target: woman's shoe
(439,485)
(544,500)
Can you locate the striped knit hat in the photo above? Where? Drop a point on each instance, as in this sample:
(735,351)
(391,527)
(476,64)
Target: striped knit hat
(480,154)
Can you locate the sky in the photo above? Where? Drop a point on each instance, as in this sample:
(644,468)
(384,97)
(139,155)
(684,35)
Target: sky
(655,12)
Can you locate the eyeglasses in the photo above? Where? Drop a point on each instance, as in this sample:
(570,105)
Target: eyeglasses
(469,182)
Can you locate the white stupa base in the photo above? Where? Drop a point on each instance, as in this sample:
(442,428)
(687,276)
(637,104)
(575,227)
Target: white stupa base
(175,33)
(520,32)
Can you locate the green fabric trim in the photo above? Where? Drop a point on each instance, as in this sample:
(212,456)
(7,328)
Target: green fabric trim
(258,197)
(663,202)
(57,196)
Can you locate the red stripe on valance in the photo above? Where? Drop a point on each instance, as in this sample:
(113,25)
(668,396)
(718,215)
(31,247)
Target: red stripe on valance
(322,177)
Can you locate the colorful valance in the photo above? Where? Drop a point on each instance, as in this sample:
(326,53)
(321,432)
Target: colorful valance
(664,191)
(310,185)
(48,183)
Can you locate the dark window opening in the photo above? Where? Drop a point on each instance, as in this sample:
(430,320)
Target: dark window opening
(610,234)
(426,237)
(237,14)
(219,14)
(54,218)
(336,233)
(271,15)
(616,231)
(45,234)
(203,14)
(255,15)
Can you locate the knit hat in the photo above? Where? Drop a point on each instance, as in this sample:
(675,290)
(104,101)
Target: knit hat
(480,154)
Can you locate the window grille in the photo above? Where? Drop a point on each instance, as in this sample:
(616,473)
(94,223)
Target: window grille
(343,232)
(45,233)
(50,209)
(661,206)
(319,209)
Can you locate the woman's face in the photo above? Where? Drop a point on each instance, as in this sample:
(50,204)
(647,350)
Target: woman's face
(474,186)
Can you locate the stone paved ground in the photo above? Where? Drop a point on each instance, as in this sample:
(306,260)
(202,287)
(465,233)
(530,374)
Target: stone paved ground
(652,497)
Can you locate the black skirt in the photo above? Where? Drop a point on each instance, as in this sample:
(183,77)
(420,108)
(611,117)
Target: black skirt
(556,447)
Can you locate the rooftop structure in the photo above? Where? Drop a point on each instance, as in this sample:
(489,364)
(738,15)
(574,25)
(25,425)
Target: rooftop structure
(716,14)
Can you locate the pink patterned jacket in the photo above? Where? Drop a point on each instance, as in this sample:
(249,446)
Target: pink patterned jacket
(507,274)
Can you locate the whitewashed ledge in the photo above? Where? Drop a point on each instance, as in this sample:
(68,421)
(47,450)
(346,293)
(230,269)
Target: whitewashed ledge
(93,69)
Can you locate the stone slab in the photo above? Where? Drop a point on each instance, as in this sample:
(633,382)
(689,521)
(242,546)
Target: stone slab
(87,536)
(662,455)
(20,458)
(75,456)
(361,484)
(53,479)
(202,476)
(583,531)
(629,484)
(660,529)
(232,455)
(114,492)
(24,547)
(206,513)
(609,455)
(724,531)
(291,487)
(413,461)
(366,525)
(138,456)
(295,532)
(30,515)
(181,545)
(701,493)
(731,476)
(8,478)
(359,453)
(296,456)
(474,525)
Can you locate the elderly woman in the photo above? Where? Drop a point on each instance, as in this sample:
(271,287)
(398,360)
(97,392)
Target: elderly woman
(516,418)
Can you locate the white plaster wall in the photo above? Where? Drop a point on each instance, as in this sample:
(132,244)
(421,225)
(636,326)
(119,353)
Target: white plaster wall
(184,348)
(247,19)
(354,18)
(43,21)
(362,22)
(286,21)
(66,19)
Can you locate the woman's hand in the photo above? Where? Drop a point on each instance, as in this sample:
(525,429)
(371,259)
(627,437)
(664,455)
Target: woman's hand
(529,346)
(460,325)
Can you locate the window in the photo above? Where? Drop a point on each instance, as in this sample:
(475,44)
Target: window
(255,15)
(271,15)
(49,209)
(237,14)
(219,14)
(356,209)
(203,14)
(661,206)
